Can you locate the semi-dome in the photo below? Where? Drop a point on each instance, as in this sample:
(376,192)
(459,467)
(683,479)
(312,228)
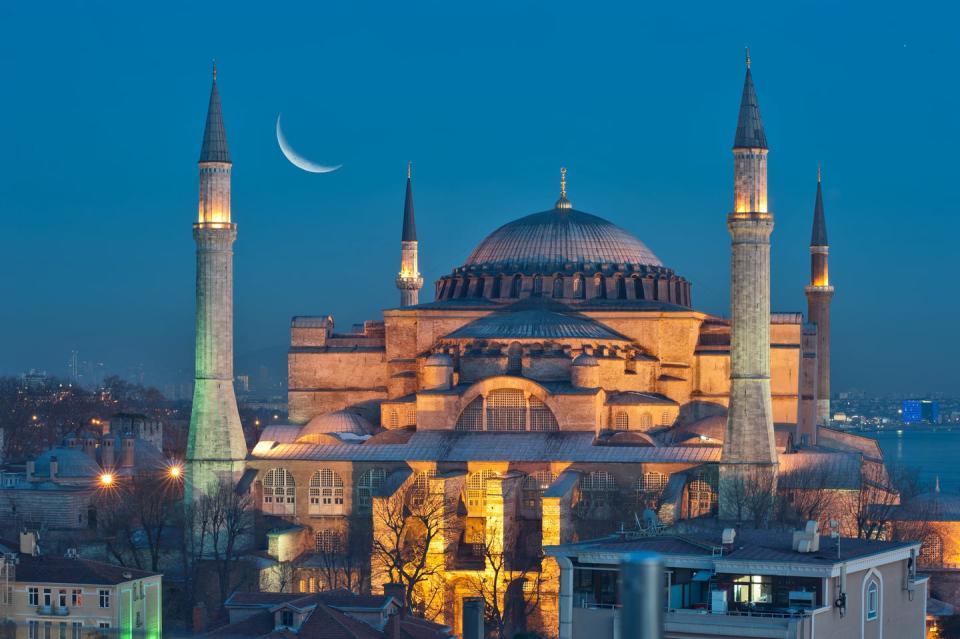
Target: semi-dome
(337,422)
(556,239)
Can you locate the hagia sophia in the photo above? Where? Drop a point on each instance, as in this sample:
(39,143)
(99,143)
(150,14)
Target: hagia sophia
(561,384)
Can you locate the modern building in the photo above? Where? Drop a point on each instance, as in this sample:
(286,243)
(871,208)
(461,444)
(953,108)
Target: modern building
(920,411)
(750,583)
(53,597)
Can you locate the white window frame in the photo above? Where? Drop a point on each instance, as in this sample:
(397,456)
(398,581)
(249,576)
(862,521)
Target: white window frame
(326,493)
(873,600)
(104,597)
(33,596)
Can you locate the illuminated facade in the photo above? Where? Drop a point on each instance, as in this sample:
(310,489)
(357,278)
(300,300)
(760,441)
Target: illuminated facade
(560,384)
(216,447)
(819,294)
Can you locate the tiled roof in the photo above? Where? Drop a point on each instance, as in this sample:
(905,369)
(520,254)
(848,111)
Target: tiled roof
(535,323)
(467,446)
(60,570)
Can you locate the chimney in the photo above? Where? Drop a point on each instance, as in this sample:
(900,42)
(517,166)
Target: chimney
(199,619)
(28,543)
(127,454)
(393,630)
(54,467)
(472,618)
(398,592)
(106,453)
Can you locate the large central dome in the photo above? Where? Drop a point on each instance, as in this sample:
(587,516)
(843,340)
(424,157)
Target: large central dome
(556,240)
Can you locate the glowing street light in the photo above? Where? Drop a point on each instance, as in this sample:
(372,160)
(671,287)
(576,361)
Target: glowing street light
(106,480)
(174,472)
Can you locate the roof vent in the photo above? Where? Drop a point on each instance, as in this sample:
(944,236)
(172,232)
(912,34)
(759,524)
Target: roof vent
(808,539)
(727,537)
(128,575)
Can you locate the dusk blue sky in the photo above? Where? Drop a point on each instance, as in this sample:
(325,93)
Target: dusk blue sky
(102,113)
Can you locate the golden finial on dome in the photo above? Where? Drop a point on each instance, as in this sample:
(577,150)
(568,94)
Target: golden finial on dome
(563,202)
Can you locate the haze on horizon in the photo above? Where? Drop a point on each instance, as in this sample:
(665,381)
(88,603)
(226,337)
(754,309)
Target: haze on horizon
(103,118)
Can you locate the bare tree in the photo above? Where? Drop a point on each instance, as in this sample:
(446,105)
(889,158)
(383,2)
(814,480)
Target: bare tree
(406,525)
(807,493)
(880,494)
(753,494)
(346,566)
(504,584)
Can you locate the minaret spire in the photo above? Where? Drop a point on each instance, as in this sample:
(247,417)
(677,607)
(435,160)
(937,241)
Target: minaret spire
(819,295)
(748,461)
(216,449)
(409,280)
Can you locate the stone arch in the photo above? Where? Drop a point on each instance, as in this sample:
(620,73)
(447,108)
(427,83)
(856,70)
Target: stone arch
(542,409)
(601,286)
(279,491)
(516,285)
(558,286)
(638,288)
(620,286)
(578,288)
(537,286)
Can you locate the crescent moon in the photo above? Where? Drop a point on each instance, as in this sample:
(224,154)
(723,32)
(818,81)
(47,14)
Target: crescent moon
(298,160)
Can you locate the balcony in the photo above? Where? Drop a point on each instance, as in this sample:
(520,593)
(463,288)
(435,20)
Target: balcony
(602,622)
(53,611)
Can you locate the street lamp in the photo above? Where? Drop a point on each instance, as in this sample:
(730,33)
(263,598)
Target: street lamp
(106,480)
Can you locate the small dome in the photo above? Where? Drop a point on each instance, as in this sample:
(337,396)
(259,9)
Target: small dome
(70,463)
(439,359)
(585,360)
(340,421)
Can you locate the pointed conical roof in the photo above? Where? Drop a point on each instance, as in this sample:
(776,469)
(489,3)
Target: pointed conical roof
(750,133)
(409,225)
(819,235)
(214,147)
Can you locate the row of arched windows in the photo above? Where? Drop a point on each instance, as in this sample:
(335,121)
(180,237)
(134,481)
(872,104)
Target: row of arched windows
(511,287)
(326,491)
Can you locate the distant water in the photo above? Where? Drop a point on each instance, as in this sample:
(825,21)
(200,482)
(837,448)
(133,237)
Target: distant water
(932,453)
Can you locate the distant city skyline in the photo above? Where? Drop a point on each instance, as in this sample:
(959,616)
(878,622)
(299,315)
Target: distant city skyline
(100,181)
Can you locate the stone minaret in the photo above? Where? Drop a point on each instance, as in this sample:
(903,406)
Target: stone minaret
(819,294)
(748,462)
(409,280)
(216,448)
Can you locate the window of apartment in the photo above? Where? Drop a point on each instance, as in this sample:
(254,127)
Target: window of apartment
(873,600)
(63,630)
(47,598)
(76,597)
(62,597)
(753,589)
(77,627)
(33,629)
(33,596)
(104,598)
(286,618)
(103,624)
(47,630)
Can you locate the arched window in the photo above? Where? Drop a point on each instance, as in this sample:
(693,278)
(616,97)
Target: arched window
(700,498)
(652,482)
(598,481)
(368,483)
(638,288)
(443,289)
(453,288)
(601,285)
(279,491)
(420,488)
(533,486)
(326,493)
(676,293)
(621,288)
(872,607)
(621,421)
(509,410)
(472,416)
(506,409)
(931,550)
(655,288)
(578,286)
(329,541)
(515,286)
(478,292)
(646,421)
(558,286)
(537,286)
(497,285)
(515,359)
(665,419)
(464,287)
(541,417)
